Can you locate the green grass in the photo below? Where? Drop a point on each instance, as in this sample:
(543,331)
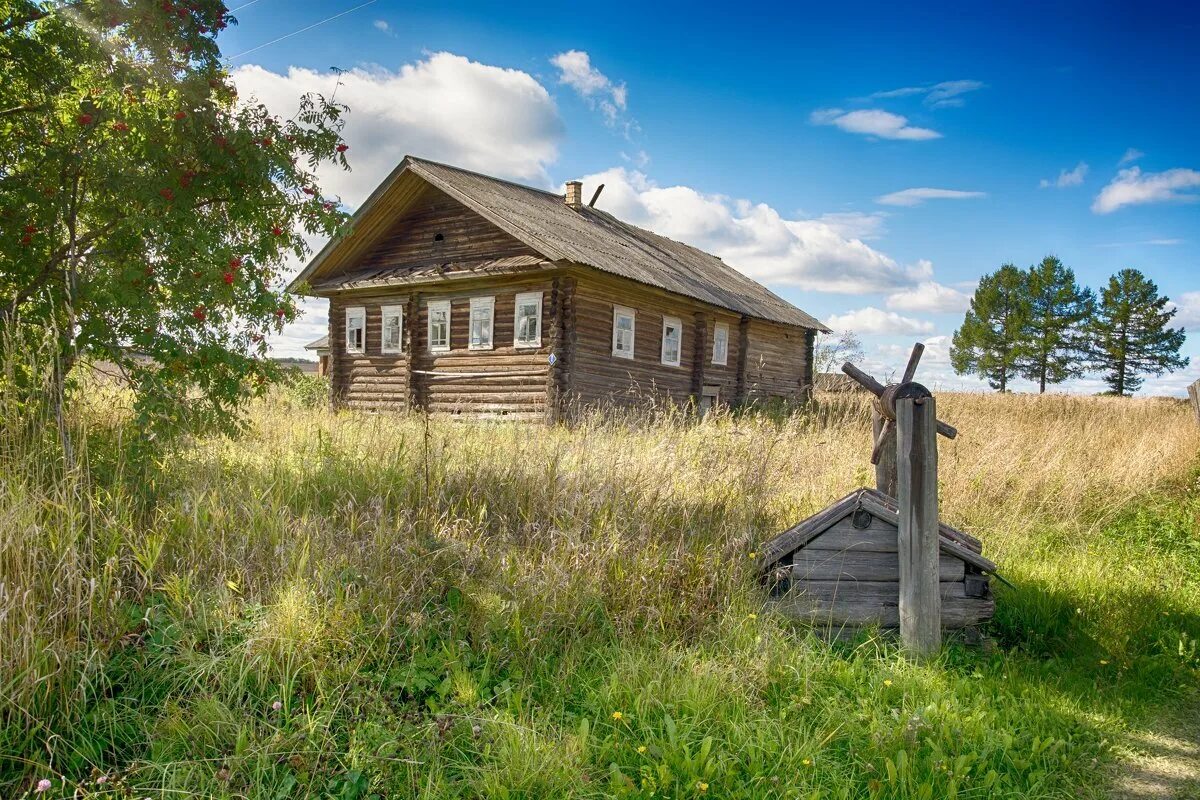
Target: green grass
(356,606)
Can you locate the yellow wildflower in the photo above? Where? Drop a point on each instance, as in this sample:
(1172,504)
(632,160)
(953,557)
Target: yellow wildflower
(887,681)
(752,554)
(1103,662)
(702,786)
(806,762)
(641,748)
(617,715)
(752,617)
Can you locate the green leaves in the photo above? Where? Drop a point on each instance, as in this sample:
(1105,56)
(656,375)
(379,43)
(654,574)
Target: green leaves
(1132,334)
(155,210)
(988,343)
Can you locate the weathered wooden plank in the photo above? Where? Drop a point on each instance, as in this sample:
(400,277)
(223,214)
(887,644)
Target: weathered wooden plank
(1194,396)
(917,541)
(833,565)
(859,610)
(885,470)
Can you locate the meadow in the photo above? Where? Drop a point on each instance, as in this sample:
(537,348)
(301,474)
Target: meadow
(353,605)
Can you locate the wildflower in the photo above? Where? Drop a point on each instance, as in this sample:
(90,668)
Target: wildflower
(618,716)
(806,762)
(102,779)
(887,681)
(276,705)
(701,786)
(43,785)
(752,617)
(1103,662)
(641,748)
(806,701)
(752,554)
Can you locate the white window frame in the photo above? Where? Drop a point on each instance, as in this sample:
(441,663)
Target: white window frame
(480,303)
(721,327)
(359,313)
(521,299)
(431,308)
(384,313)
(618,312)
(678,323)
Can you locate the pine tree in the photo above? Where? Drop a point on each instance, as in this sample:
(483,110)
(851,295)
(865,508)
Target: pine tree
(1053,342)
(988,343)
(1130,334)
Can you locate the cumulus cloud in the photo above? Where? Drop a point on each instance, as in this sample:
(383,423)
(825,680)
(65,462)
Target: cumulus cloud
(446,107)
(929,297)
(939,95)
(1066,178)
(1134,187)
(753,237)
(382,25)
(871,320)
(1131,155)
(872,122)
(575,70)
(1188,308)
(917,196)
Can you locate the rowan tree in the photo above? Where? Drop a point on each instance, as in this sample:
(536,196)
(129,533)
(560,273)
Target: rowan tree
(147,211)
(1053,342)
(988,343)
(1131,333)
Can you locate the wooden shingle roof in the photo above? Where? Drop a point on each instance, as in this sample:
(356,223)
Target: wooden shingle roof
(588,236)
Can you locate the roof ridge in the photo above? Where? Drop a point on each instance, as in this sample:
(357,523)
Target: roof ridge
(464,170)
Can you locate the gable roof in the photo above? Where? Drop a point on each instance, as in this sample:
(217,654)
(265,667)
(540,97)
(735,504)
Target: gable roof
(588,236)
(318,344)
(951,541)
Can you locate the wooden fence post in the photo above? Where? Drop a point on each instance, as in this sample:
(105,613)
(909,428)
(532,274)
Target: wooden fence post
(920,598)
(1194,396)
(885,470)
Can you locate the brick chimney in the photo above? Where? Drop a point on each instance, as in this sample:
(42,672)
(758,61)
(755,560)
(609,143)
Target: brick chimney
(575,194)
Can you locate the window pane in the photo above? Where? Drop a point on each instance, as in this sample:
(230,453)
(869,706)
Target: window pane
(527,323)
(481,326)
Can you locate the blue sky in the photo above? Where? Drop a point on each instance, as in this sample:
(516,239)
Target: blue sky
(867,161)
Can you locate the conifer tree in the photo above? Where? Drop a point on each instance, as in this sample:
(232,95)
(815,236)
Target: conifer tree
(1130,333)
(989,342)
(1053,344)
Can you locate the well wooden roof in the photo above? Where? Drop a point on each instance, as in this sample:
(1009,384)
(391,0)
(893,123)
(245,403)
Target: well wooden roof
(950,540)
(588,236)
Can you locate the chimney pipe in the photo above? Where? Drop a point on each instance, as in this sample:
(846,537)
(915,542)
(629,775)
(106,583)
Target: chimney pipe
(575,194)
(596,196)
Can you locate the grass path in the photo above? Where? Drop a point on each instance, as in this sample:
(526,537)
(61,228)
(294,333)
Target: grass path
(1162,763)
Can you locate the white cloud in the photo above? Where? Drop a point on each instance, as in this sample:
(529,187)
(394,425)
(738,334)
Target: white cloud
(382,25)
(872,122)
(753,237)
(872,320)
(446,107)
(856,224)
(1134,187)
(575,70)
(1131,155)
(939,95)
(917,196)
(1151,242)
(1066,178)
(929,297)
(1188,306)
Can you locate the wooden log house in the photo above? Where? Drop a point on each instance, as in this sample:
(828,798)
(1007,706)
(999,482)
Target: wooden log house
(457,292)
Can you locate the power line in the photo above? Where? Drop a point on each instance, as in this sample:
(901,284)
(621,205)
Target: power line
(297,33)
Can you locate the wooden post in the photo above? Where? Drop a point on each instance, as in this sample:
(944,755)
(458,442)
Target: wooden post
(699,351)
(920,599)
(885,470)
(410,345)
(1194,396)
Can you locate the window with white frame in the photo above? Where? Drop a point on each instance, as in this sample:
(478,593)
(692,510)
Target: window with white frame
(483,313)
(393,329)
(527,318)
(671,337)
(720,353)
(439,326)
(623,323)
(356,329)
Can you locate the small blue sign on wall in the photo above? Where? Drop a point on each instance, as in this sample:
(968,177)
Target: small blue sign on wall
(551,359)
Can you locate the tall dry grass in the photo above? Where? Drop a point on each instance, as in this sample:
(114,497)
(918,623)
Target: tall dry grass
(315,528)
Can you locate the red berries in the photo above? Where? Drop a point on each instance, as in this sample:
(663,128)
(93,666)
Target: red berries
(309,190)
(327,206)
(84,120)
(199,314)
(341,148)
(26,240)
(167,194)
(279,312)
(120,127)
(229,278)
(220,141)
(31,229)
(266,142)
(278,231)
(235,262)
(180,115)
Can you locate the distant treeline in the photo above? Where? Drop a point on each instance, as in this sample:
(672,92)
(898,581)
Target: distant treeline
(1040,324)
